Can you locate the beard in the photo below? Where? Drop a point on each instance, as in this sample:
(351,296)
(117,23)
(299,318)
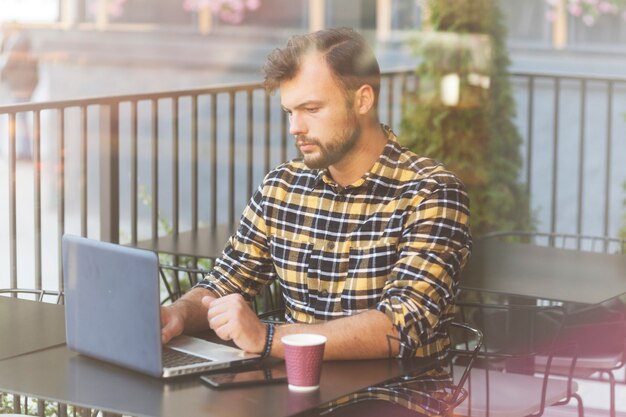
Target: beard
(334,150)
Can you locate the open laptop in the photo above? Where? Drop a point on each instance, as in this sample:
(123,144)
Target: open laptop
(112,313)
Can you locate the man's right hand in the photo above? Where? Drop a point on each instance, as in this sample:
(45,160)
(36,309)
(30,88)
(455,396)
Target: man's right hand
(172,323)
(186,314)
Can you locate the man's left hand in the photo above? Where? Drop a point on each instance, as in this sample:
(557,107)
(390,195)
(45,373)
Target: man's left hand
(232,319)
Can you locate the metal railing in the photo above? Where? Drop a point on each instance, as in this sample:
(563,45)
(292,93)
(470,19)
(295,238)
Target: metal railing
(581,128)
(135,167)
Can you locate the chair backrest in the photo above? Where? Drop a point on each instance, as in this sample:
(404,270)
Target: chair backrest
(513,335)
(50,296)
(468,341)
(588,243)
(178,279)
(465,341)
(511,330)
(584,325)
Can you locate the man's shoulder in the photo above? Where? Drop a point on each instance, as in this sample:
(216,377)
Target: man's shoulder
(414,168)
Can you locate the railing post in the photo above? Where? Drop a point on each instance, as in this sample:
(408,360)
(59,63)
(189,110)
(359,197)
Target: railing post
(383,20)
(102,14)
(559,25)
(69,12)
(205,20)
(109,174)
(12,201)
(317,15)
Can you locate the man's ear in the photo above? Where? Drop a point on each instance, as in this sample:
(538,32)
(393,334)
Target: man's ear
(364,99)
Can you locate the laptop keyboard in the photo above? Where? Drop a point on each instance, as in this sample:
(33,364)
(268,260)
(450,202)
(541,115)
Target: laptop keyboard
(172,358)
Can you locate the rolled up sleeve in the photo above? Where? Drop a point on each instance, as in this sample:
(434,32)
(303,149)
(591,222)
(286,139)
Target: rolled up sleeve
(418,298)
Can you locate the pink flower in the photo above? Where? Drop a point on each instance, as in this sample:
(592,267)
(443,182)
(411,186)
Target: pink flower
(589,20)
(189,5)
(230,11)
(605,7)
(237,6)
(575,10)
(253,4)
(116,8)
(216,5)
(231,16)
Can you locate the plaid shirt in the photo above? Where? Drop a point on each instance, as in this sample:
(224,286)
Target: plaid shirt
(394,241)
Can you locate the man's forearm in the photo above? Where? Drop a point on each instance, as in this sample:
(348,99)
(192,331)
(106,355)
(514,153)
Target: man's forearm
(193,312)
(363,336)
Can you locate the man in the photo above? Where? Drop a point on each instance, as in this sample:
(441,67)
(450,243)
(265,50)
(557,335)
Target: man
(366,238)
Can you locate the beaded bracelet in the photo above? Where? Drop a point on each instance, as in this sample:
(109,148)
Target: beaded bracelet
(269,337)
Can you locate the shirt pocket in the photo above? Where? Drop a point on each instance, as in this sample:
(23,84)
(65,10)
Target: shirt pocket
(291,262)
(369,269)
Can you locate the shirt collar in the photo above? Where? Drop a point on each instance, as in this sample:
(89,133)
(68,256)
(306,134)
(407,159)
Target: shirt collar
(323,176)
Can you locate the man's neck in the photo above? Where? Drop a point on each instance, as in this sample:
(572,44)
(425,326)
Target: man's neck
(366,152)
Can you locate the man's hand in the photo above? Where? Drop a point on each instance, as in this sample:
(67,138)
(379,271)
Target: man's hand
(232,319)
(185,315)
(172,324)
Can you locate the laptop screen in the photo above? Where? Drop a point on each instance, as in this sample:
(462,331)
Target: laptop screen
(112,303)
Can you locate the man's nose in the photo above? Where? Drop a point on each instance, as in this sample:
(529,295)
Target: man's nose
(296,125)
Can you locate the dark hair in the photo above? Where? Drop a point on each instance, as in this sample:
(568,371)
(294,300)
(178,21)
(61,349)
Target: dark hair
(346,52)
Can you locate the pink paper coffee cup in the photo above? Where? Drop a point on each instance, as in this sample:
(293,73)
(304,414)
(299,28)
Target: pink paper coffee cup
(303,359)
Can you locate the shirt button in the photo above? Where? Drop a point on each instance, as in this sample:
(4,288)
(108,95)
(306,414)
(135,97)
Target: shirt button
(331,245)
(324,293)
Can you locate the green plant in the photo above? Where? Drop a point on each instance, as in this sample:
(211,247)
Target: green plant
(13,403)
(471,130)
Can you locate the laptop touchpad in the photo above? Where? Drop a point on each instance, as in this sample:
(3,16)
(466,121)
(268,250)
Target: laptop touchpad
(206,349)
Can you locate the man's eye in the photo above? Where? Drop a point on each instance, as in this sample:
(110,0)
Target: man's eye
(312,109)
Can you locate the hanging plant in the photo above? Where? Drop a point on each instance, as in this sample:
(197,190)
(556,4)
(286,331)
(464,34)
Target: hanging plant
(589,11)
(230,11)
(462,113)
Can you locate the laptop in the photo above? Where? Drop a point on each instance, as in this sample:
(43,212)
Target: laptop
(112,313)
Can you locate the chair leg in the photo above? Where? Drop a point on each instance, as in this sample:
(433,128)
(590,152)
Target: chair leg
(612,392)
(579,403)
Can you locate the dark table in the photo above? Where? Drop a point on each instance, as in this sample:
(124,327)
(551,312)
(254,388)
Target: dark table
(203,243)
(57,374)
(519,269)
(29,326)
(527,272)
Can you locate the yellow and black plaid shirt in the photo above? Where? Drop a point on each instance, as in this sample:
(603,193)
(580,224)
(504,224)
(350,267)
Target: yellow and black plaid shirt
(395,241)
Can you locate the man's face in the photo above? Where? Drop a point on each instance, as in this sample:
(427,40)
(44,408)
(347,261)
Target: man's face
(321,118)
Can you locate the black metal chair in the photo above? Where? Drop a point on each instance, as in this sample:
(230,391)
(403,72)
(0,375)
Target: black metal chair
(598,331)
(503,381)
(178,279)
(412,395)
(465,345)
